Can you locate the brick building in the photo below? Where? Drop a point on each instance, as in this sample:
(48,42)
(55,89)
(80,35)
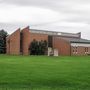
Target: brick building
(60,43)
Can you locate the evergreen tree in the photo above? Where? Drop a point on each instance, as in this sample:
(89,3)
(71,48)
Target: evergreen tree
(38,47)
(3,35)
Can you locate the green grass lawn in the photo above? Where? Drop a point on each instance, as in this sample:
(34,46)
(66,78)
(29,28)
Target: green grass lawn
(44,73)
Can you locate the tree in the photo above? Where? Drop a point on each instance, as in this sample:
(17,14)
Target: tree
(44,46)
(3,35)
(38,47)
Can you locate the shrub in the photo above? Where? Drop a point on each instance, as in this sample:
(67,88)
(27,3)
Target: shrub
(38,47)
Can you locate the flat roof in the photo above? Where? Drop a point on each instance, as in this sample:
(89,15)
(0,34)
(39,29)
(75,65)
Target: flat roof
(55,33)
(77,40)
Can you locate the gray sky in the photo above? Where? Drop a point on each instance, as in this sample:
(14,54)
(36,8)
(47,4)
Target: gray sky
(55,15)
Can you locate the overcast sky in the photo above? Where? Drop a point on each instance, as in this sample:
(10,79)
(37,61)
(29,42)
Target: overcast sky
(55,15)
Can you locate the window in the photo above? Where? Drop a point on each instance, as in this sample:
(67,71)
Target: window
(50,41)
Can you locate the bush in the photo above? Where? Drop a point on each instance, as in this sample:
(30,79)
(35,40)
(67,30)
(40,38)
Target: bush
(3,35)
(38,47)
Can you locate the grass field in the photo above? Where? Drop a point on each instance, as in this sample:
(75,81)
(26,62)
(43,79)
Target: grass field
(44,73)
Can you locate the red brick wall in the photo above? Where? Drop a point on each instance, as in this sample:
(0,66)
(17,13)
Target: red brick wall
(25,41)
(13,43)
(62,45)
(14,46)
(38,37)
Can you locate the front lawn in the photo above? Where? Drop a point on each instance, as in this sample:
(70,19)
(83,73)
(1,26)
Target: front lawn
(44,73)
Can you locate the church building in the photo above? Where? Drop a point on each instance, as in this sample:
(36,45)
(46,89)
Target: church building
(60,43)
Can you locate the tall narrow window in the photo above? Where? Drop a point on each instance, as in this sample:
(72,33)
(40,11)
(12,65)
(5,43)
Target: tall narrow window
(50,41)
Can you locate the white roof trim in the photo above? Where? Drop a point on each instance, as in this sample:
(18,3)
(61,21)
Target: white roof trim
(80,44)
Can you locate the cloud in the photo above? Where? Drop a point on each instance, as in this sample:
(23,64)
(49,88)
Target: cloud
(13,14)
(60,15)
(76,10)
